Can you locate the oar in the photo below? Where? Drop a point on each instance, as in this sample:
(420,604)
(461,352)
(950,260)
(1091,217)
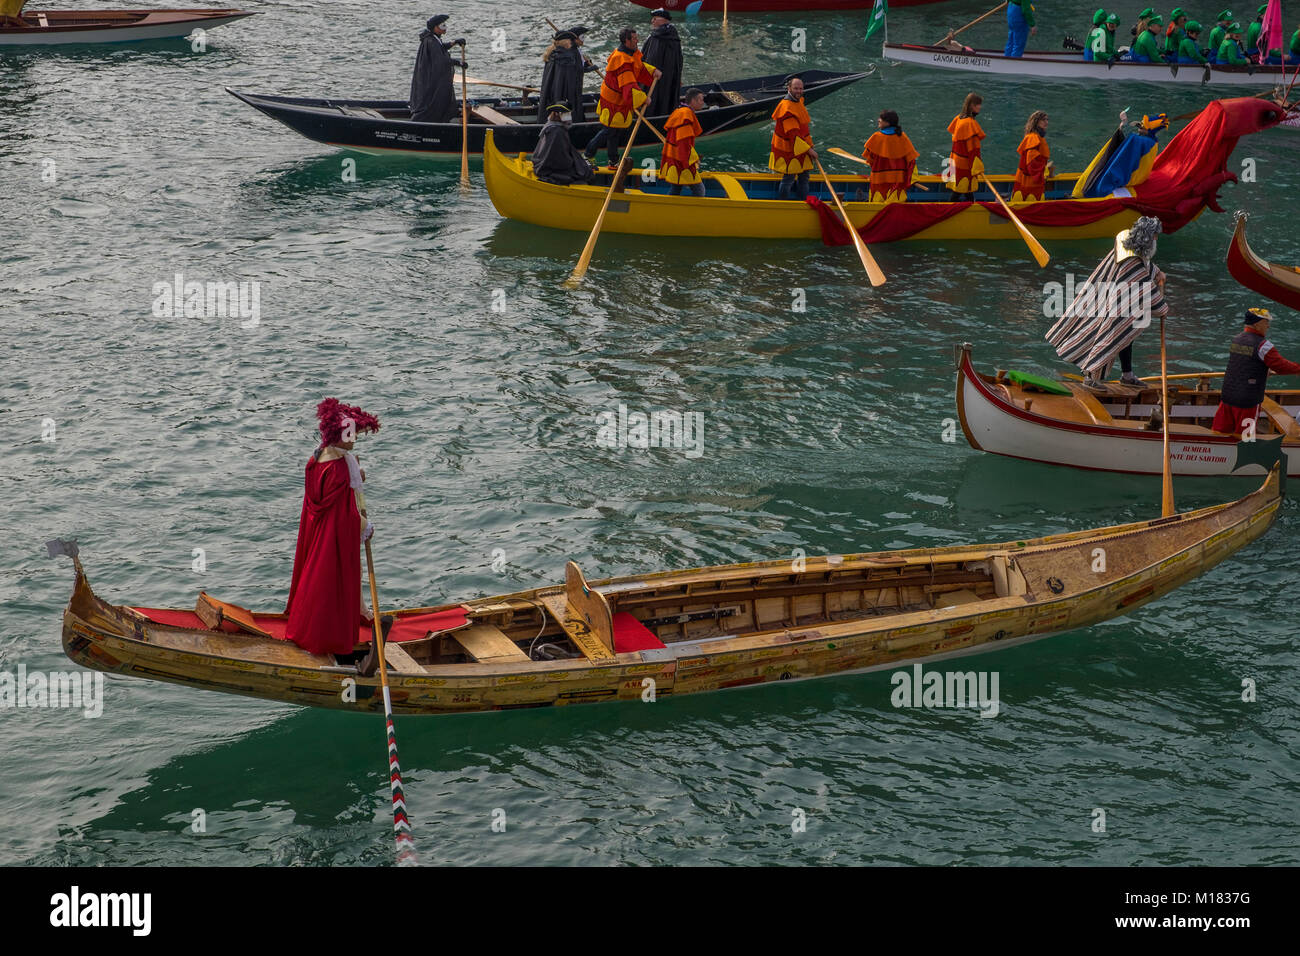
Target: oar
(858,159)
(473,81)
(464,126)
(401,824)
(584,260)
(873,271)
(1167,478)
(953,33)
(1034,245)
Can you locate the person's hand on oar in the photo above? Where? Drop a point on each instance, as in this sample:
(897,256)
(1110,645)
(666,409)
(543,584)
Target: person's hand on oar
(1035,247)
(845,154)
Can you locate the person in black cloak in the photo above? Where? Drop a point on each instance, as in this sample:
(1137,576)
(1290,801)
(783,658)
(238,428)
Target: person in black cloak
(562,75)
(663,49)
(555,159)
(433,84)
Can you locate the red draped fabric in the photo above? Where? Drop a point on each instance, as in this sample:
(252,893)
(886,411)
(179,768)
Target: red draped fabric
(325,595)
(1185,178)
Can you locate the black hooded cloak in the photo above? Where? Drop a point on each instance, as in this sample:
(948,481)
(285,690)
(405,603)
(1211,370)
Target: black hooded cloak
(557,160)
(663,49)
(433,90)
(562,81)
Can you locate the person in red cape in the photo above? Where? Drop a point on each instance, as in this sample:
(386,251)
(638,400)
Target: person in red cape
(324,606)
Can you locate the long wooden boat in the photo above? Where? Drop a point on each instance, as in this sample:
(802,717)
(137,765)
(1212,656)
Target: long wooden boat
(684,632)
(1066,65)
(1184,180)
(1279,283)
(1121,431)
(745,205)
(693,7)
(385,126)
(57,27)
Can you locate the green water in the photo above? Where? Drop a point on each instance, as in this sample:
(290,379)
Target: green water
(823,432)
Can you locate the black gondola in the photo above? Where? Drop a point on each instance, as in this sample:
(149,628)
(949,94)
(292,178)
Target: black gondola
(384,126)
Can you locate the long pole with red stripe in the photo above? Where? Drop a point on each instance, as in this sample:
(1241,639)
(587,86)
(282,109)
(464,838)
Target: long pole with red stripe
(401,822)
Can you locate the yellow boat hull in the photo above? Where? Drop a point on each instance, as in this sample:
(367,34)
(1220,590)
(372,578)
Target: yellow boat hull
(518,194)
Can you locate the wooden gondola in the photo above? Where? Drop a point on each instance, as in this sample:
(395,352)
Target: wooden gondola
(385,126)
(1121,431)
(1279,283)
(59,27)
(683,632)
(1039,65)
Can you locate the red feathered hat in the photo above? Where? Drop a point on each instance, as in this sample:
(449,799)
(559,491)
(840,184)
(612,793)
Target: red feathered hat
(333,416)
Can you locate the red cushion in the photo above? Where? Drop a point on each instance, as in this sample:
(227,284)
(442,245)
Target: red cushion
(631,635)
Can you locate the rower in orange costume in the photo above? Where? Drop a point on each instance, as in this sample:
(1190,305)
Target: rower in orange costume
(893,160)
(680,164)
(792,152)
(964,163)
(1035,160)
(620,95)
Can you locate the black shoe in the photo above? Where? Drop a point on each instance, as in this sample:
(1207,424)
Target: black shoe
(369,663)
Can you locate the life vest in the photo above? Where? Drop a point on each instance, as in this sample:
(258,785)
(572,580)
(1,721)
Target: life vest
(964,162)
(1245,379)
(791,138)
(1031,174)
(893,161)
(680,164)
(620,96)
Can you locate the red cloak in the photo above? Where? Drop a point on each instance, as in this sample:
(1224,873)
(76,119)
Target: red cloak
(324,604)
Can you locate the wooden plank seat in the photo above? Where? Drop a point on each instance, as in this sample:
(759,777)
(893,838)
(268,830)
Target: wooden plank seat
(489,645)
(488,115)
(400,661)
(588,620)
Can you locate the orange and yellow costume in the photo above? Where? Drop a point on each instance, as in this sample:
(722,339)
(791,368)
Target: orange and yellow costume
(1031,174)
(620,94)
(680,164)
(964,162)
(791,139)
(893,164)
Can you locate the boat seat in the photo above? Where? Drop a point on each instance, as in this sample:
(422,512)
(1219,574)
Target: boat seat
(488,115)
(400,661)
(1281,418)
(585,616)
(1096,411)
(489,645)
(364,111)
(730,185)
(631,635)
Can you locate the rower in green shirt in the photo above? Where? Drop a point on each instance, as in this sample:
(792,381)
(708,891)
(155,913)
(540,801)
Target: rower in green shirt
(1176,33)
(1252,34)
(1295,45)
(1101,41)
(1220,31)
(1189,50)
(1230,52)
(1145,48)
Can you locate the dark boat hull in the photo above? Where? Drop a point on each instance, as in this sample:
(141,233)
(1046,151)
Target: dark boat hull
(381,126)
(773,6)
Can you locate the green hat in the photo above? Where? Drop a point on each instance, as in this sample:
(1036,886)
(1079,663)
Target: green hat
(1225,16)
(1146,14)
(1178,12)
(1112,18)
(1262,8)
(1234,27)
(1154,19)
(1099,17)
(1193,26)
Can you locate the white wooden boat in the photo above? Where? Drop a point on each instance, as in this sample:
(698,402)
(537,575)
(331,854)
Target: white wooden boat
(1067,65)
(59,27)
(1121,431)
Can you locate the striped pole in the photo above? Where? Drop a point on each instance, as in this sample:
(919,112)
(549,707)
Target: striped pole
(401,822)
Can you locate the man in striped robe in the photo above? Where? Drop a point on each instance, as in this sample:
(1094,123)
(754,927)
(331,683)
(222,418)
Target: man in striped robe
(1112,308)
